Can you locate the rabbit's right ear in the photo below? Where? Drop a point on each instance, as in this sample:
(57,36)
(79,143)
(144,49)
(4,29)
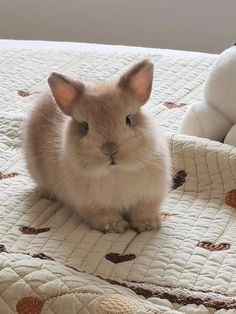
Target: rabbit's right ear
(138,80)
(65,91)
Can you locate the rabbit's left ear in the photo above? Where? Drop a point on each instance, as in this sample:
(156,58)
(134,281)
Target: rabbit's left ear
(138,80)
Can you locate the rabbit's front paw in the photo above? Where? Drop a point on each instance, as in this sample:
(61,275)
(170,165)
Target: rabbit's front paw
(147,223)
(107,220)
(145,216)
(118,226)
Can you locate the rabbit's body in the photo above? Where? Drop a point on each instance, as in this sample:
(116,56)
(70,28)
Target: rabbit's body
(110,185)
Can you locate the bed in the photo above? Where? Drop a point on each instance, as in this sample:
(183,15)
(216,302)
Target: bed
(51,262)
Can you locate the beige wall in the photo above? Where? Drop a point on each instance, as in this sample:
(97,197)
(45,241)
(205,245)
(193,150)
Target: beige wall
(196,25)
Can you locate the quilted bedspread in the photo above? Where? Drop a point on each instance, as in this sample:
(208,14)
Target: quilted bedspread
(51,262)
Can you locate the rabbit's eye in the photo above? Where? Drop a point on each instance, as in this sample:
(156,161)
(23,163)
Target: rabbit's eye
(84,128)
(128,121)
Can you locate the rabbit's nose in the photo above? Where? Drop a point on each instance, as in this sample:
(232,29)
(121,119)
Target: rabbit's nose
(109,148)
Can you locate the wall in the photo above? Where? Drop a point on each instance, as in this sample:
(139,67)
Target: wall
(196,25)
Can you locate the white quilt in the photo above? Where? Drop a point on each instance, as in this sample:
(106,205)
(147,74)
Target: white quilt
(50,262)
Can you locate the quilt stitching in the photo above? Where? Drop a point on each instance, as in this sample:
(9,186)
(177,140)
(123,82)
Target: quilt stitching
(176,79)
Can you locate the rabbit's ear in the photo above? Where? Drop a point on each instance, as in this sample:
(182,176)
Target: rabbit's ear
(65,91)
(138,80)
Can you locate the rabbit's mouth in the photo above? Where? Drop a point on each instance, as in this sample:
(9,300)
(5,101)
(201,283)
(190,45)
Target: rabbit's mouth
(112,162)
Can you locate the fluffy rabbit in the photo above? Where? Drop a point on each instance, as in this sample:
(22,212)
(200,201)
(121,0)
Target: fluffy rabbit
(92,147)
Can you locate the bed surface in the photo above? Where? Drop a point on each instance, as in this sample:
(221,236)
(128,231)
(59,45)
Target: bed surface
(54,263)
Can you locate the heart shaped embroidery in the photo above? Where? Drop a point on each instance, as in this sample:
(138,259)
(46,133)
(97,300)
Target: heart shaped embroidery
(179,179)
(7,175)
(165,216)
(23,93)
(43,256)
(3,248)
(29,305)
(172,105)
(230,198)
(30,230)
(117,258)
(210,246)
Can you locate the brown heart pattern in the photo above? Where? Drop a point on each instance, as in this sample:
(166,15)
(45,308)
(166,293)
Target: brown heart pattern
(179,179)
(29,305)
(165,216)
(23,93)
(230,198)
(213,247)
(172,105)
(43,256)
(7,175)
(31,230)
(3,248)
(117,258)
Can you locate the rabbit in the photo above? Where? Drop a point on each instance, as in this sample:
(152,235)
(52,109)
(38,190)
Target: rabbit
(93,147)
